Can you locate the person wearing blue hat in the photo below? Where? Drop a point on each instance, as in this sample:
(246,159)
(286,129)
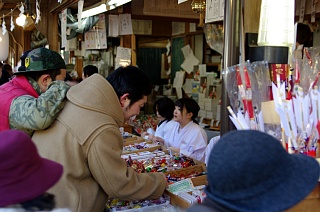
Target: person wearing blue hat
(34,97)
(249,170)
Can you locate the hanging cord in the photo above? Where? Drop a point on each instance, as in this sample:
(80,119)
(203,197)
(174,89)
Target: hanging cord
(15,41)
(9,13)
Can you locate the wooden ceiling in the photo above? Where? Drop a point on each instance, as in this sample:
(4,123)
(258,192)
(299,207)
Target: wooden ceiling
(7,5)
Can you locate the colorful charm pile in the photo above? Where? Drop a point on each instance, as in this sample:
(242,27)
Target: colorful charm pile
(121,205)
(138,146)
(143,123)
(160,164)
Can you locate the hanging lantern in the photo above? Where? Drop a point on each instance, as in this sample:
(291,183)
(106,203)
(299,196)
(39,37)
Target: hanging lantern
(198,7)
(4,45)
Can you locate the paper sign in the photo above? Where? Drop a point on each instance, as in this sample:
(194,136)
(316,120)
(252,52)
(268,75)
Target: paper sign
(189,63)
(125,24)
(186,50)
(203,70)
(214,11)
(183,185)
(187,87)
(123,57)
(179,93)
(113,25)
(178,80)
(63,28)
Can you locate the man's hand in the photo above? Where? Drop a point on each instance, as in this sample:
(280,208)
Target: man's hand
(167,185)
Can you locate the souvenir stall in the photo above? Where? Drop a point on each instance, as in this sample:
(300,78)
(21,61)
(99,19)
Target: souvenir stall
(271,92)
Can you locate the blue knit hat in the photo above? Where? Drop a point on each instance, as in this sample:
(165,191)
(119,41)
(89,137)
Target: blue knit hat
(250,171)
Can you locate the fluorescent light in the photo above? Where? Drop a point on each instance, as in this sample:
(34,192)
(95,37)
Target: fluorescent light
(94,10)
(117,3)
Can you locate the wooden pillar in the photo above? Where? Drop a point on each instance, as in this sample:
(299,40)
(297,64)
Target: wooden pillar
(53,33)
(251,15)
(133,50)
(129,41)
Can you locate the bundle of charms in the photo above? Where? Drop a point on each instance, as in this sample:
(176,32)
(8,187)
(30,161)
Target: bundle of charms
(122,205)
(278,100)
(143,123)
(163,163)
(138,146)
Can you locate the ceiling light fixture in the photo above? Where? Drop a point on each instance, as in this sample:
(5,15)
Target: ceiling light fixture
(95,9)
(117,3)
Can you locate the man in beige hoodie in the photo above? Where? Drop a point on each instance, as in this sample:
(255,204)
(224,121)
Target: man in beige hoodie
(86,140)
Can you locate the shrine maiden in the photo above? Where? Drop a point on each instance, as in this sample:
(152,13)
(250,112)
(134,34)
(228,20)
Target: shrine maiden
(186,135)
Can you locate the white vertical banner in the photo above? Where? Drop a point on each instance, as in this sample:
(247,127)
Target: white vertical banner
(80,8)
(113,26)
(38,12)
(63,28)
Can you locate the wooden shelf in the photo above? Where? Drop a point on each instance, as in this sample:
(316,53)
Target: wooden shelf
(212,64)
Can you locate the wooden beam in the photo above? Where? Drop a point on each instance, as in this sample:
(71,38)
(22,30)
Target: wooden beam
(58,7)
(11,1)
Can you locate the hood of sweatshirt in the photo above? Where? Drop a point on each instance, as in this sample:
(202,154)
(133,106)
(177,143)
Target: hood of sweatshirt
(96,93)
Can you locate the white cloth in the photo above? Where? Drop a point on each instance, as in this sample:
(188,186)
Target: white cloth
(213,141)
(191,140)
(164,128)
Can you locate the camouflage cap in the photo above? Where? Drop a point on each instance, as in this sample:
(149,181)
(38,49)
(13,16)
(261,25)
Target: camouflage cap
(42,59)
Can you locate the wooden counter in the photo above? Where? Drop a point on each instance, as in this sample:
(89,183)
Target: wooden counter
(127,128)
(310,204)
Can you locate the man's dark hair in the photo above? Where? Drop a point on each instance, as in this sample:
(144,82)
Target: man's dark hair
(89,70)
(131,80)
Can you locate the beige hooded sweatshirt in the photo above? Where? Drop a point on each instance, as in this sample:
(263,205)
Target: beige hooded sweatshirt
(86,140)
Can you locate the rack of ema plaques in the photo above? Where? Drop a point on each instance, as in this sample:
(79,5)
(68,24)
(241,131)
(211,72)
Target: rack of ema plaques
(274,99)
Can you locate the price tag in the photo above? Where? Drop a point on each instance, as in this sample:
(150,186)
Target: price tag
(183,185)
